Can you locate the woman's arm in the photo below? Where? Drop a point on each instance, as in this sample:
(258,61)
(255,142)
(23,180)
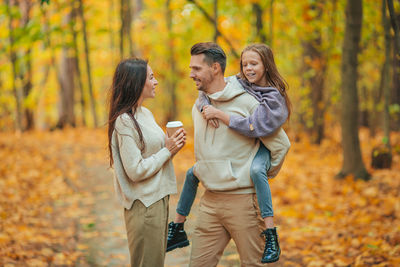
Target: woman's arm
(269,116)
(135,165)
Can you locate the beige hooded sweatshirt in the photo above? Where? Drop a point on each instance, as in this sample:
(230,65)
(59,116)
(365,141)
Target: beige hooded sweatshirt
(223,156)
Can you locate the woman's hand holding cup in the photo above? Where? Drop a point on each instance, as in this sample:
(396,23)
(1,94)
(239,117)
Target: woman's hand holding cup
(176,140)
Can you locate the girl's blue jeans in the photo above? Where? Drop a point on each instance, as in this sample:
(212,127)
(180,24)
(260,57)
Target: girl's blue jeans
(258,173)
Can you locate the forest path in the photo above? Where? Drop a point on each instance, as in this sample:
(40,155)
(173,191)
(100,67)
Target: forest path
(103,232)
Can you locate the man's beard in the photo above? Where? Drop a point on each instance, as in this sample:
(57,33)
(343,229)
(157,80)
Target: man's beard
(205,83)
(202,88)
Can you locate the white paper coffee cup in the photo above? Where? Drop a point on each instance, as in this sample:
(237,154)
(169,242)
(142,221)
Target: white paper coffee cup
(173,126)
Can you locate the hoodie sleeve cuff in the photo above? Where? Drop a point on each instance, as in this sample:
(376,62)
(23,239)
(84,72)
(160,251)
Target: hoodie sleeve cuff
(164,154)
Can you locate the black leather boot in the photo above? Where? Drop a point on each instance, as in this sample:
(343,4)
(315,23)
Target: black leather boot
(177,237)
(272,249)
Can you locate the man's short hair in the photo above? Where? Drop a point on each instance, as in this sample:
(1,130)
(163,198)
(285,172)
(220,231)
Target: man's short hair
(212,53)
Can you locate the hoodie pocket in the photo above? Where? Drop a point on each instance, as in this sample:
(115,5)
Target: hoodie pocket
(216,174)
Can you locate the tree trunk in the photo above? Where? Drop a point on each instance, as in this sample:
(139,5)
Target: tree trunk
(315,66)
(365,120)
(381,156)
(26,71)
(66,105)
(121,30)
(67,70)
(395,25)
(395,99)
(271,23)
(13,59)
(129,29)
(87,59)
(125,30)
(373,120)
(352,159)
(395,94)
(77,69)
(385,78)
(27,88)
(216,32)
(258,13)
(376,99)
(172,113)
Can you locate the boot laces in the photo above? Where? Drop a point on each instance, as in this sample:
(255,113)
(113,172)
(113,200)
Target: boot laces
(171,230)
(269,241)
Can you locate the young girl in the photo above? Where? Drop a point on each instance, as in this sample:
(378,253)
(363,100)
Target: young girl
(141,155)
(260,78)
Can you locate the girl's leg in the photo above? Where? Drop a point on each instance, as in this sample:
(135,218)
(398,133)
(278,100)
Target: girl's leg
(258,172)
(177,237)
(187,197)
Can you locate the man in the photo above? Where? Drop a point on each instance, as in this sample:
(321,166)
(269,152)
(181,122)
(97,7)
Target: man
(228,208)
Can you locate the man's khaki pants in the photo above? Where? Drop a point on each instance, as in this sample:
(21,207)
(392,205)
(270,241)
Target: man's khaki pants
(222,217)
(147,233)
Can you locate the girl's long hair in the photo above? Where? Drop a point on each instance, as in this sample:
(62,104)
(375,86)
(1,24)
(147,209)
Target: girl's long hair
(273,77)
(127,86)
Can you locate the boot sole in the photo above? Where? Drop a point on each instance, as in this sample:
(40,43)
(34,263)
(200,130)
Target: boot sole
(272,260)
(179,245)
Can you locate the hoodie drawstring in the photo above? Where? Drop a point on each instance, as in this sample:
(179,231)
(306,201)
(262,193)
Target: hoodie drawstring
(205,134)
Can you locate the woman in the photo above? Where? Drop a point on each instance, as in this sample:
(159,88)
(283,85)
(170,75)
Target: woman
(142,158)
(259,76)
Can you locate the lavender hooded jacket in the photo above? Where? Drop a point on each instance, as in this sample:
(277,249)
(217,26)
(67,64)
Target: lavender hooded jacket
(265,120)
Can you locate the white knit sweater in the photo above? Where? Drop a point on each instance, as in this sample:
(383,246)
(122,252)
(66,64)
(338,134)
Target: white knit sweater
(147,176)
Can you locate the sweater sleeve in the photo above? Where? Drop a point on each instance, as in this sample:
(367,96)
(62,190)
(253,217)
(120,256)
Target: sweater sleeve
(136,167)
(269,115)
(202,101)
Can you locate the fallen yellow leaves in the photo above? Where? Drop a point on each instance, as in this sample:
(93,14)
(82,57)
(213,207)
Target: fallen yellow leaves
(321,221)
(351,222)
(38,193)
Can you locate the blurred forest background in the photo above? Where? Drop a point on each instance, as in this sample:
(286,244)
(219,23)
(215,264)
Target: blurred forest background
(341,59)
(57,58)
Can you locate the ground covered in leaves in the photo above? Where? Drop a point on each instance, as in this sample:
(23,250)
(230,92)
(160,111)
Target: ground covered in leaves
(57,206)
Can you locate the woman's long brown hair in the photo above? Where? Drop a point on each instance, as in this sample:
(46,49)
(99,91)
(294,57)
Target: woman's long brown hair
(273,77)
(127,86)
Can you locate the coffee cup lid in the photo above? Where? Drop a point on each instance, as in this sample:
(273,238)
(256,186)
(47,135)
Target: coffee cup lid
(172,124)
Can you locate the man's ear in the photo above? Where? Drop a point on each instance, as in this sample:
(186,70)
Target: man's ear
(216,67)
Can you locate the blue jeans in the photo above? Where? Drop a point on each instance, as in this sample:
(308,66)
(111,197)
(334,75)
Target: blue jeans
(258,173)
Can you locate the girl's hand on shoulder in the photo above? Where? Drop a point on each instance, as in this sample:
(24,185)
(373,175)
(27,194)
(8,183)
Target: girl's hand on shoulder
(213,114)
(214,123)
(175,142)
(210,114)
